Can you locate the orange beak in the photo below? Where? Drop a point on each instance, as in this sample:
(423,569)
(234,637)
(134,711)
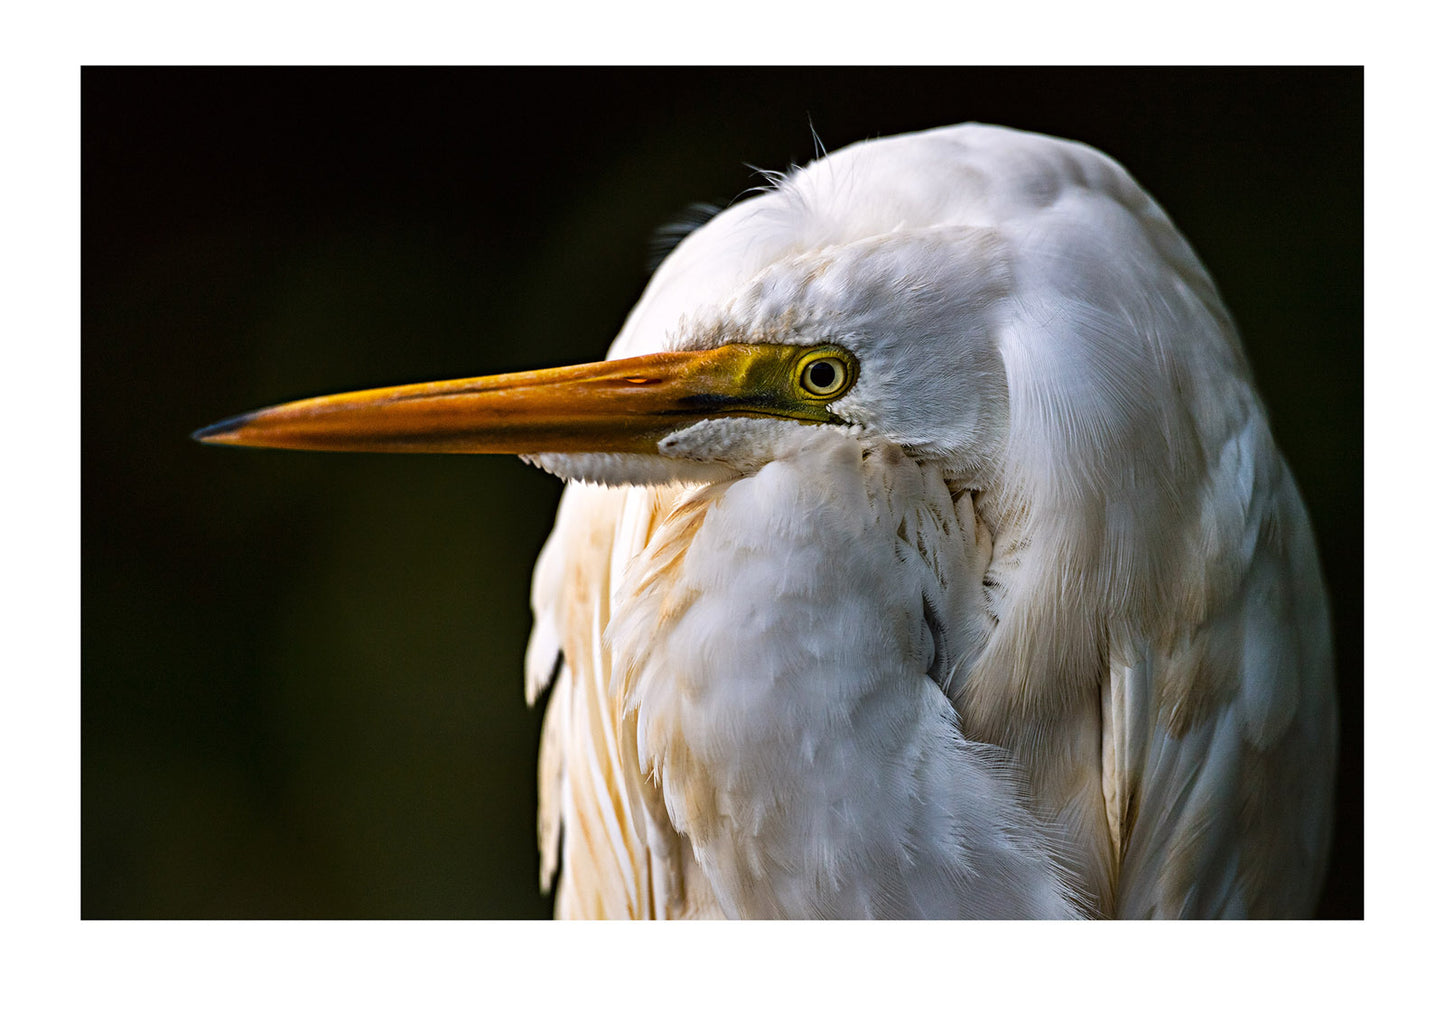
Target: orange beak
(618,406)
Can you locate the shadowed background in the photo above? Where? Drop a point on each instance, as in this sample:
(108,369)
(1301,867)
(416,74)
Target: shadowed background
(301,673)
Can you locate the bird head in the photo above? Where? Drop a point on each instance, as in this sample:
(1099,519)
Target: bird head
(1010,307)
(886,335)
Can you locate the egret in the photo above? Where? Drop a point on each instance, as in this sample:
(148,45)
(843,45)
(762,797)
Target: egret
(925,553)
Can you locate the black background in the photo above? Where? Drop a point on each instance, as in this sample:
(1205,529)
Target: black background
(302,673)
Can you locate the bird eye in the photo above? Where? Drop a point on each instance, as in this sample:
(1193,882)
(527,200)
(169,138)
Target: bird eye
(824,376)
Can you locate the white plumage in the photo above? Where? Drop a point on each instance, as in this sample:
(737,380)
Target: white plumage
(927,554)
(1057,548)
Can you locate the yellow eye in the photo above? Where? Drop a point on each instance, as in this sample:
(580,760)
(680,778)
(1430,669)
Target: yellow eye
(826,375)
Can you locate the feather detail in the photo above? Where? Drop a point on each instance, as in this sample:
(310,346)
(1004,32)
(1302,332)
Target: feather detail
(804,786)
(1039,630)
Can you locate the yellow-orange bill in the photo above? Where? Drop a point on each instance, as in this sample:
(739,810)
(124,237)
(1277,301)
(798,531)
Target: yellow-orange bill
(618,406)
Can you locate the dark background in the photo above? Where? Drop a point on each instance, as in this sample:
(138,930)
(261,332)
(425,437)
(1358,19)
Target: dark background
(301,672)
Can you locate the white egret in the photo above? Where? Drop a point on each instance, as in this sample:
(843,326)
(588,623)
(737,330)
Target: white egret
(926,553)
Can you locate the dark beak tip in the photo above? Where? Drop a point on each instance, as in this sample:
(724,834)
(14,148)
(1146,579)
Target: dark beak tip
(221,432)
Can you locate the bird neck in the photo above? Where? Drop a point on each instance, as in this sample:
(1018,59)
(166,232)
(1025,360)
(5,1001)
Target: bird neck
(783,644)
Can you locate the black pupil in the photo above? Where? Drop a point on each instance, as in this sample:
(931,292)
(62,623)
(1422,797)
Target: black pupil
(821,375)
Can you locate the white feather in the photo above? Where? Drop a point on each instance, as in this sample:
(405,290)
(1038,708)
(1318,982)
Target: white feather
(1042,627)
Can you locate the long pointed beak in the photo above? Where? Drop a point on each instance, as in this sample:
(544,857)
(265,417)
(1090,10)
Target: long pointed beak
(623,406)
